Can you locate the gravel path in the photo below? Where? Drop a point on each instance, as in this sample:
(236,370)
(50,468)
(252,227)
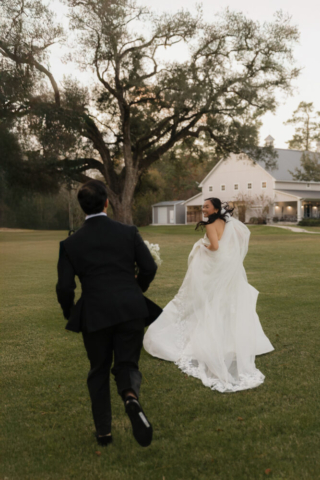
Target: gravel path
(295,229)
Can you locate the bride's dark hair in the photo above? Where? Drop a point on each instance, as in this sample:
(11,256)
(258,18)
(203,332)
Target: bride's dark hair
(216,202)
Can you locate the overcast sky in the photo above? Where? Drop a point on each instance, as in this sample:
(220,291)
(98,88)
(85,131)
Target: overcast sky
(305,14)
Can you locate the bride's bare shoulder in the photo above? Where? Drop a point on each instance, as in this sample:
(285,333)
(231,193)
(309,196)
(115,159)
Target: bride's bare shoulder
(211,226)
(216,225)
(220,222)
(216,228)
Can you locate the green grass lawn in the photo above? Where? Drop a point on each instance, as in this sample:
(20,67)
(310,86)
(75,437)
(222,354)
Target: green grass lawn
(47,429)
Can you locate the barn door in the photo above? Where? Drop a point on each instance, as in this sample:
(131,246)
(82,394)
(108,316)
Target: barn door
(162,215)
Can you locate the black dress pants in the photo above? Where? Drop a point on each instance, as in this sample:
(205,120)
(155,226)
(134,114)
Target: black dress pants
(124,342)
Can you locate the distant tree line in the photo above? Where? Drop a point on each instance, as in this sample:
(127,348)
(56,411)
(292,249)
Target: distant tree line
(53,211)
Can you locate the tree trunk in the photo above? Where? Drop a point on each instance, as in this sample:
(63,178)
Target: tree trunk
(122,210)
(70,210)
(122,203)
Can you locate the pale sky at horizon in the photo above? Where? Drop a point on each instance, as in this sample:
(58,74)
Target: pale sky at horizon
(304,14)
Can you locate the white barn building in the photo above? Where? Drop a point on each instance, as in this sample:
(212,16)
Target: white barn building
(254,189)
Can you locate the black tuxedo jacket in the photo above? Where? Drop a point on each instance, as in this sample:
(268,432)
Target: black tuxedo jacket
(103,253)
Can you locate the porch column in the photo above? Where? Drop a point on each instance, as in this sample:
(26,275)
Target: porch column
(299,213)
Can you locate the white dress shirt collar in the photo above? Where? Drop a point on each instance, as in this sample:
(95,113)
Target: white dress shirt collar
(96,215)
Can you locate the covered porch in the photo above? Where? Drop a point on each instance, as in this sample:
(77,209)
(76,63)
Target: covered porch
(193,209)
(294,205)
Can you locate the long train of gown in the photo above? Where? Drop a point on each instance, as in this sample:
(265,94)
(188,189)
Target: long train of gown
(211,330)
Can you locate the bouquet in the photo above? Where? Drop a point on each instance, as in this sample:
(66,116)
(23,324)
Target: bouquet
(154,249)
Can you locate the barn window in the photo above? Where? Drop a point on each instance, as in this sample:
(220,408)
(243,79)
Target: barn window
(264,184)
(249,186)
(223,187)
(210,188)
(236,186)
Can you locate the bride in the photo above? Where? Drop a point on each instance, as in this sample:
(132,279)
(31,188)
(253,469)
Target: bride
(211,329)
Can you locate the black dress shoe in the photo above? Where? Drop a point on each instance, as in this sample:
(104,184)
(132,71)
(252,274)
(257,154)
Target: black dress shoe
(141,427)
(104,441)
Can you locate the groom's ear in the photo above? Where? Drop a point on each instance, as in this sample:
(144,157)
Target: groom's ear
(106,204)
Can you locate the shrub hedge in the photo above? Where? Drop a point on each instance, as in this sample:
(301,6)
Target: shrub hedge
(258,221)
(310,222)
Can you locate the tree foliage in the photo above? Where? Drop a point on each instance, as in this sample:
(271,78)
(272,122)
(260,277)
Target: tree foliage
(307,128)
(310,171)
(140,104)
(26,33)
(307,139)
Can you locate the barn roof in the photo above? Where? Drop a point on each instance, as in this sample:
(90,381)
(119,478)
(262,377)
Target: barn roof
(288,160)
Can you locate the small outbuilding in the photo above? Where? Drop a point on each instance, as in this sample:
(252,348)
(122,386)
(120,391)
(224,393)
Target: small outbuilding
(169,213)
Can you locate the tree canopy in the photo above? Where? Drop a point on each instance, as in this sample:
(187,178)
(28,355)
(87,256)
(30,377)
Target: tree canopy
(139,103)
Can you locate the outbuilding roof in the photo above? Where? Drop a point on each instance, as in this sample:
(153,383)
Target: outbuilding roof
(168,204)
(192,198)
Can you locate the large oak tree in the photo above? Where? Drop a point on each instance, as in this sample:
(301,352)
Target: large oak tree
(139,103)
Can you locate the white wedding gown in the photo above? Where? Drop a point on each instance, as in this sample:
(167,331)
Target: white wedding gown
(211,329)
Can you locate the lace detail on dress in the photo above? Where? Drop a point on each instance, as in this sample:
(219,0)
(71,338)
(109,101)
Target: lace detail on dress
(198,370)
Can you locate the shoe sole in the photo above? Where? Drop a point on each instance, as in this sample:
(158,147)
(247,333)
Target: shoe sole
(104,441)
(141,427)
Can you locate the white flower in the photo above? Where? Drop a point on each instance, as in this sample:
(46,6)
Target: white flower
(155,252)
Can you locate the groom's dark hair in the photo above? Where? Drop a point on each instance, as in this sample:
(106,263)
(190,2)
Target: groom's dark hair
(92,197)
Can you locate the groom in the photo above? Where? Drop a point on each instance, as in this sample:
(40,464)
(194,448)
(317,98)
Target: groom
(111,311)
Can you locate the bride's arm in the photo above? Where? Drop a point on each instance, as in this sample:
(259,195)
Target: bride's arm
(212,236)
